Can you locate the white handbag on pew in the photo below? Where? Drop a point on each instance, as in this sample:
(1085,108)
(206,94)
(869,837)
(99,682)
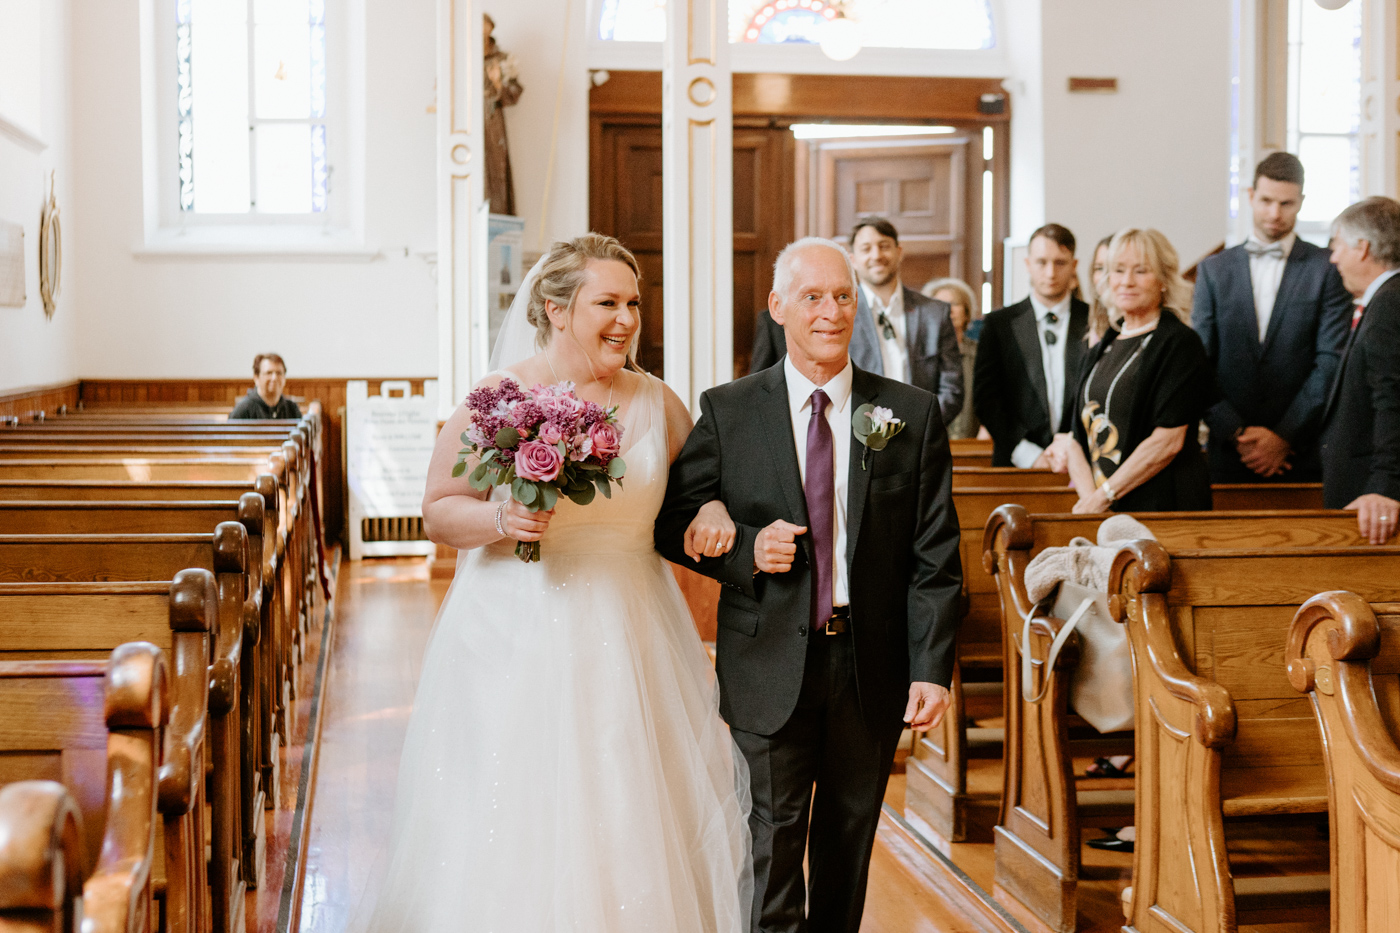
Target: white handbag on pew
(1101,690)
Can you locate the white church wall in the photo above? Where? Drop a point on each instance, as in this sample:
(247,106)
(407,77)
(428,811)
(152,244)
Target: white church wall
(536,33)
(34,141)
(203,316)
(1157,152)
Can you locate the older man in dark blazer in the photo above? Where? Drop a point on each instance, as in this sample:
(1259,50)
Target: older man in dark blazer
(901,335)
(1272,313)
(1361,417)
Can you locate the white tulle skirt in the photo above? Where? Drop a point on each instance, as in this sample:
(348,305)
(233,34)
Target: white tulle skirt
(565,767)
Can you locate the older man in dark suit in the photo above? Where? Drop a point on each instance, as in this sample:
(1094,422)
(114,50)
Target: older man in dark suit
(1361,417)
(1272,313)
(899,333)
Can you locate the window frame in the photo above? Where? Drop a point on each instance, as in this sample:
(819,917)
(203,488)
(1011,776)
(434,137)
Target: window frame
(336,232)
(1319,231)
(757,58)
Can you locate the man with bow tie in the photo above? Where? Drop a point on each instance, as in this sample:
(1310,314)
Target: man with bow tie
(1273,314)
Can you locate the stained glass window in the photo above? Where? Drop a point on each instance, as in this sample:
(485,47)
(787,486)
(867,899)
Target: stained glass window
(1324,107)
(891,24)
(251,104)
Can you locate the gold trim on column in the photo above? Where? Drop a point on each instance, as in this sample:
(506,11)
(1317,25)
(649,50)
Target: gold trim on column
(713,58)
(707,87)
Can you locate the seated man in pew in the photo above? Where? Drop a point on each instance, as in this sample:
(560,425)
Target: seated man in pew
(265,399)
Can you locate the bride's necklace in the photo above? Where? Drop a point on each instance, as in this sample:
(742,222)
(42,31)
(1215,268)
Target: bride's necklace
(557,379)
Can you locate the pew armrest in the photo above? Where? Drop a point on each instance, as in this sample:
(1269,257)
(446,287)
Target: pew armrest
(1331,643)
(1139,582)
(117,897)
(41,847)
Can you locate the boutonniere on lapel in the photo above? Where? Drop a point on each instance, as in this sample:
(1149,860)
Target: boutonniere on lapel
(874,427)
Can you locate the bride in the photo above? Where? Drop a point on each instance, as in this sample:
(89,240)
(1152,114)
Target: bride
(565,766)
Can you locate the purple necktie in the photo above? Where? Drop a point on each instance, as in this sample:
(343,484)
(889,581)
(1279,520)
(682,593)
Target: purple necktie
(821,495)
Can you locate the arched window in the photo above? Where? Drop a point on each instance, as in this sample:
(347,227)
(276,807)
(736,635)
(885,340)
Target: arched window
(891,24)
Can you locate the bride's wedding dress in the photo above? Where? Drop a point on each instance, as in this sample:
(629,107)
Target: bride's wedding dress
(565,766)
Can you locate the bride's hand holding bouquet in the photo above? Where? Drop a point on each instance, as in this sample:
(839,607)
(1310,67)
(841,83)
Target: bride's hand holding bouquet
(543,443)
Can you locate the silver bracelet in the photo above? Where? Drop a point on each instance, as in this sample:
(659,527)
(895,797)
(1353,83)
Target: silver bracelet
(500,514)
(1108,492)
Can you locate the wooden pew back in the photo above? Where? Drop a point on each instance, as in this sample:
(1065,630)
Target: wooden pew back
(1220,731)
(97,727)
(1038,832)
(1344,655)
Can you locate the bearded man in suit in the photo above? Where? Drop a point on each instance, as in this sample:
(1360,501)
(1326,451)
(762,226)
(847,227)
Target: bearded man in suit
(841,587)
(1028,356)
(1272,313)
(898,332)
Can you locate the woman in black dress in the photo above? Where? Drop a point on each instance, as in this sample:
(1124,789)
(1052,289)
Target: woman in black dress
(1142,392)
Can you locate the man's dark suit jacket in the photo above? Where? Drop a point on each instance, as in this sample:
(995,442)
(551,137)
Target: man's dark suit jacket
(904,571)
(1361,419)
(1278,382)
(935,362)
(1008,384)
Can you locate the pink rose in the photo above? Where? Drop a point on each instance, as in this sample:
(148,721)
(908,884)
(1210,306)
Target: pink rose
(551,434)
(607,440)
(538,462)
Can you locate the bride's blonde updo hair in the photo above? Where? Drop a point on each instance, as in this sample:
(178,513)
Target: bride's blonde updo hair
(563,272)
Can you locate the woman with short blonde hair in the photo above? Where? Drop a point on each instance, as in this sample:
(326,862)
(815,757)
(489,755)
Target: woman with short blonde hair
(1143,391)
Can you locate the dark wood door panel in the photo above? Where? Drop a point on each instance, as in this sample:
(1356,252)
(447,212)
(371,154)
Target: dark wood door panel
(626,193)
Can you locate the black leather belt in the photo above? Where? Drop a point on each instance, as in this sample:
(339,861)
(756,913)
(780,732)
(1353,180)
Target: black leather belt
(836,625)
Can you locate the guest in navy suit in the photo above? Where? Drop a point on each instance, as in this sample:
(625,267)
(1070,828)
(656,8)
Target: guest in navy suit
(899,333)
(1361,417)
(1272,313)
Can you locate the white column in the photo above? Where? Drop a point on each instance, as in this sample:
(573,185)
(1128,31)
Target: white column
(1380,97)
(461,209)
(697,163)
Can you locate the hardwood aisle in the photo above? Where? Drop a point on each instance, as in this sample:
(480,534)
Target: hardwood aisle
(385,611)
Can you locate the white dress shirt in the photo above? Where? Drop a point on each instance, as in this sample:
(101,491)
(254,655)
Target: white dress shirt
(1375,286)
(1052,358)
(894,351)
(838,416)
(1265,275)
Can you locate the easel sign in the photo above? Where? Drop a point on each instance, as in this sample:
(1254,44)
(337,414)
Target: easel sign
(389,440)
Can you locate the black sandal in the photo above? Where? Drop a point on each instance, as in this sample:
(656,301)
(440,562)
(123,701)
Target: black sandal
(1104,768)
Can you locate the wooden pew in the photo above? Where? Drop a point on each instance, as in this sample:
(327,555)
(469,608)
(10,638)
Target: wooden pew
(99,725)
(268,662)
(1222,736)
(1344,654)
(936,790)
(87,621)
(1042,811)
(1248,497)
(1003,477)
(42,862)
(298,541)
(109,558)
(971,452)
(937,771)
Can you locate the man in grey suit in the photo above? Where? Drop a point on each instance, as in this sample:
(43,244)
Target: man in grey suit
(1273,315)
(899,333)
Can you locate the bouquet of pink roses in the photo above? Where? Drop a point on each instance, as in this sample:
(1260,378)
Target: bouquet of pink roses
(544,443)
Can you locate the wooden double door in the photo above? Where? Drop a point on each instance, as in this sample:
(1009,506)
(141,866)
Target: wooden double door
(626,203)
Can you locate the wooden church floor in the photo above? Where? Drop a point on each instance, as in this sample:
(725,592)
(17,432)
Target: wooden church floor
(384,611)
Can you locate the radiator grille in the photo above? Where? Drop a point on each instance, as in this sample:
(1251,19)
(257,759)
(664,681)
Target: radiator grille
(392,529)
